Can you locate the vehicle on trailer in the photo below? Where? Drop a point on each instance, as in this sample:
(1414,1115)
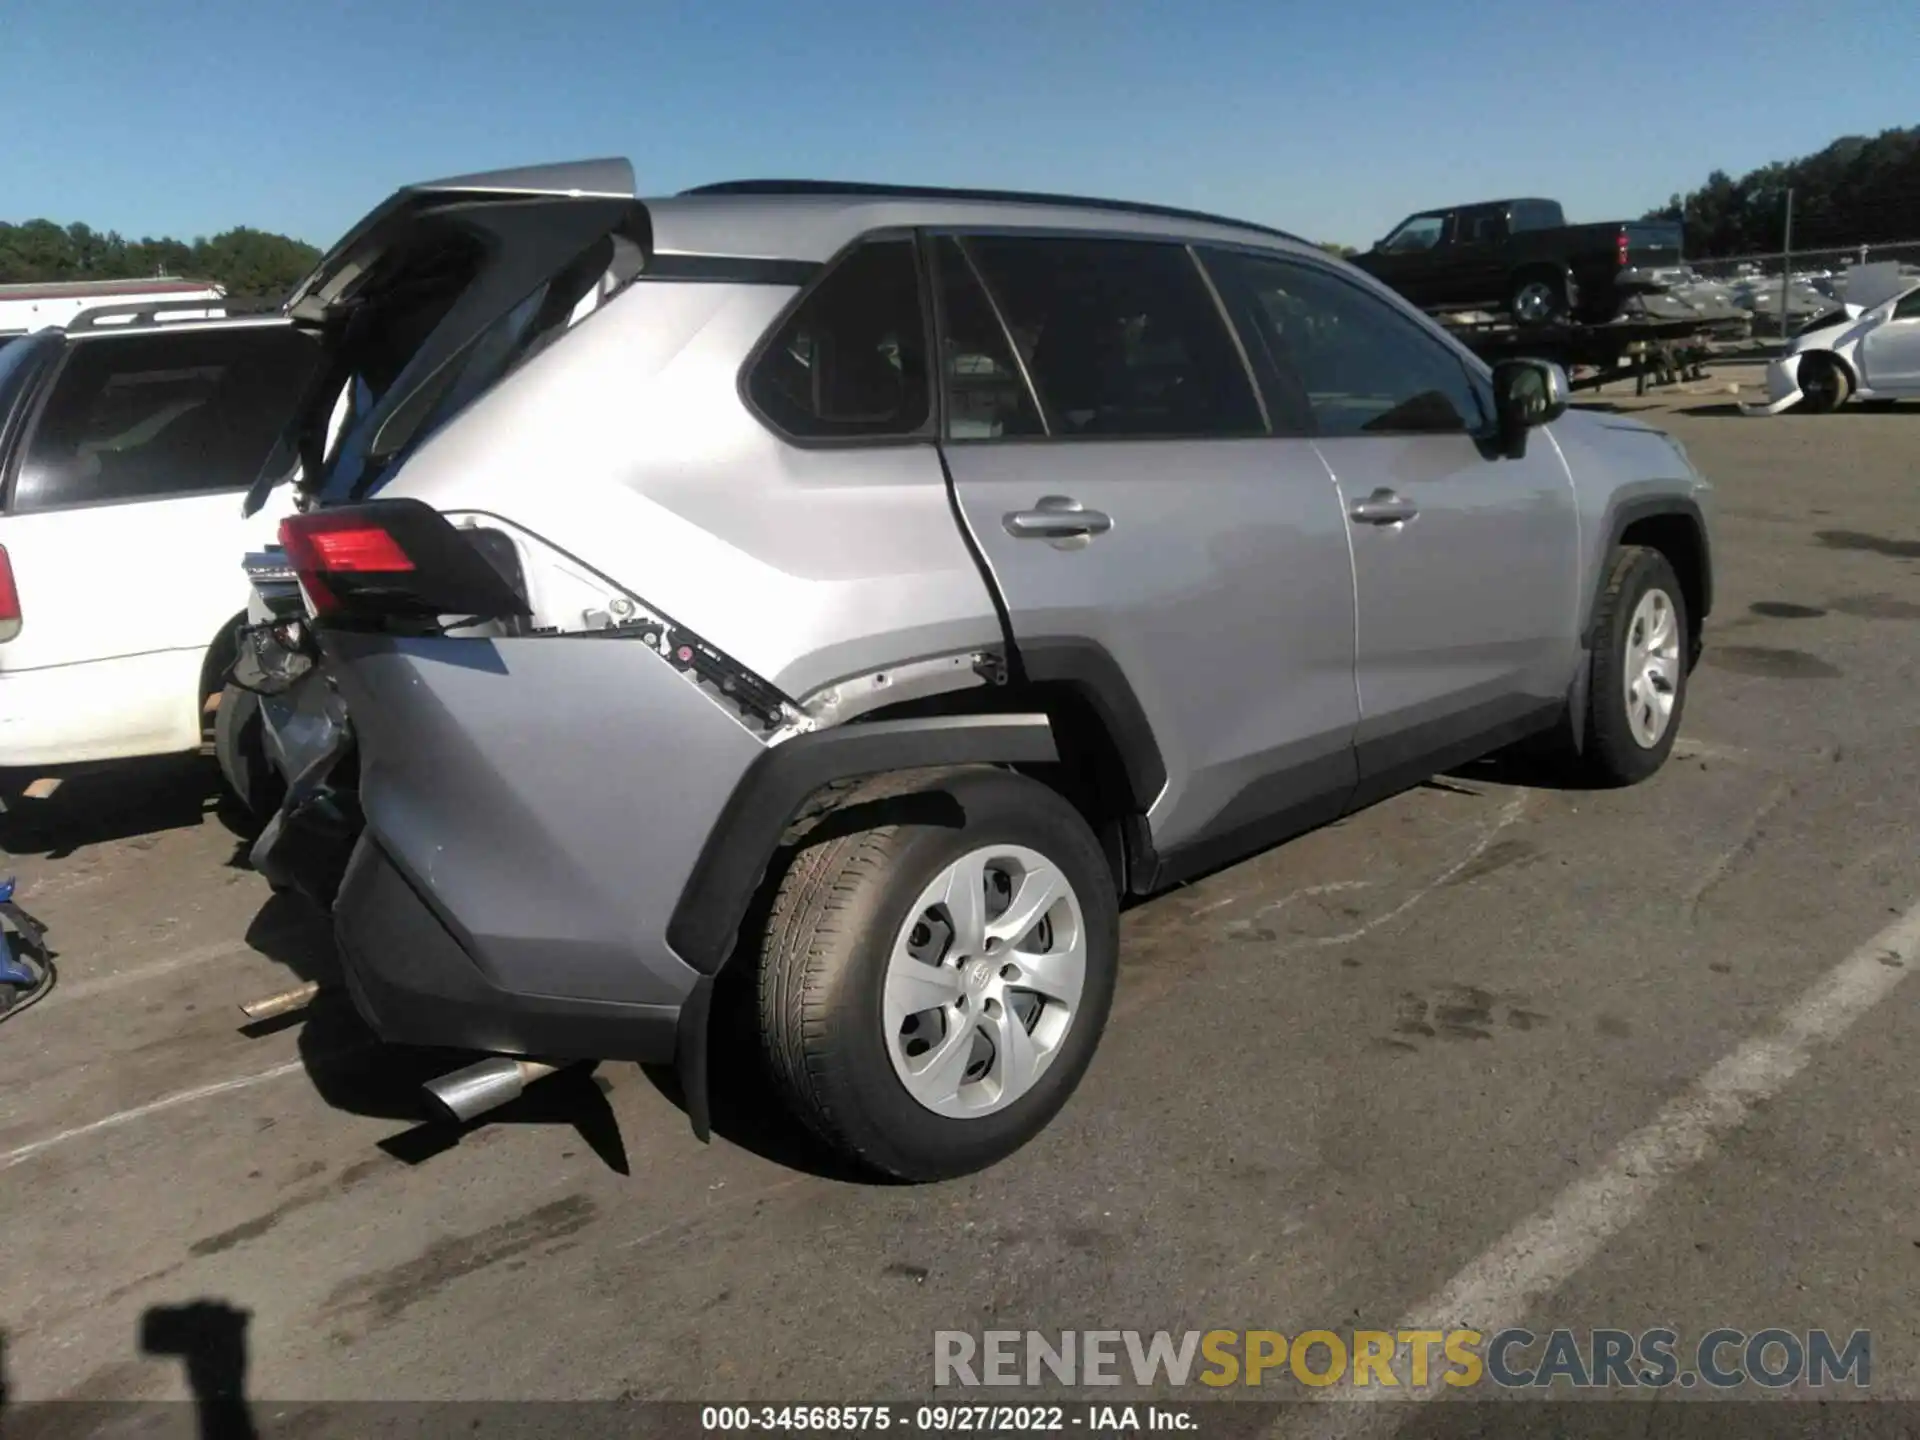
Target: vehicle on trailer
(131,434)
(1522,258)
(878,584)
(1866,349)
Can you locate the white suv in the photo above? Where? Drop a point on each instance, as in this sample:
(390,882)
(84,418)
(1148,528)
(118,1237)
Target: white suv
(125,449)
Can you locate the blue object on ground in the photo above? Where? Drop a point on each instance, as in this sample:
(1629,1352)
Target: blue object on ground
(28,973)
(14,971)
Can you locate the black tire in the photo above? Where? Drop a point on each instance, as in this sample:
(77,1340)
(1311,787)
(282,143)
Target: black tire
(1539,298)
(1612,754)
(823,963)
(239,746)
(1824,384)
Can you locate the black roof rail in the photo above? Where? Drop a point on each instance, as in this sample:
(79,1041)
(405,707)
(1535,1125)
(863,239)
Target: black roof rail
(146,312)
(936,192)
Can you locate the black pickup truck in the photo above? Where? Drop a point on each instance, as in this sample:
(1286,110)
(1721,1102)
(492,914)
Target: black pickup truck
(1521,256)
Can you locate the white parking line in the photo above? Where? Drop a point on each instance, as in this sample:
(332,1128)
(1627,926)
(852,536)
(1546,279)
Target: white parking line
(1540,1254)
(1509,814)
(139,1112)
(68,991)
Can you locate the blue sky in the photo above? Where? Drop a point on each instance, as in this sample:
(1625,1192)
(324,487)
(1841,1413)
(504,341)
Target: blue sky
(1331,119)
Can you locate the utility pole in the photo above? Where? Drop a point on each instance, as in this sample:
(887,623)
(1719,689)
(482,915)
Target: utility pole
(1786,265)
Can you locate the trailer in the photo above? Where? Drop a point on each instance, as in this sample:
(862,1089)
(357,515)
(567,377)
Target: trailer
(1644,350)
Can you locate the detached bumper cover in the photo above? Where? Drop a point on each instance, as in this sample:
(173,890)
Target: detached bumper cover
(1783,387)
(414,983)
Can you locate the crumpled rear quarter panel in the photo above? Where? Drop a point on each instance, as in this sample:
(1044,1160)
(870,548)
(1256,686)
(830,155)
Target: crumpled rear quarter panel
(548,795)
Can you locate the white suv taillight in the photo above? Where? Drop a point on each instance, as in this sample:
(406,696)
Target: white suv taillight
(9,599)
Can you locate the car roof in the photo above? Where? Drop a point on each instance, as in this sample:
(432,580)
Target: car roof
(811,220)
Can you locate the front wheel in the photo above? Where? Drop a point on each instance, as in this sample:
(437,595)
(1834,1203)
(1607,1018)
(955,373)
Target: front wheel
(935,975)
(1824,384)
(1539,299)
(1637,688)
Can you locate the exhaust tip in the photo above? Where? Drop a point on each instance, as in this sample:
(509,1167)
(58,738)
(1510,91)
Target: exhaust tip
(467,1094)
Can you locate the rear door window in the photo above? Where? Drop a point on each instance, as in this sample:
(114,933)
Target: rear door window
(851,361)
(988,397)
(1122,338)
(145,417)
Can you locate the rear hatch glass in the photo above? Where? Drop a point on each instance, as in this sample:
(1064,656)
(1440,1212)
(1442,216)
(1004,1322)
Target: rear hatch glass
(1653,244)
(435,296)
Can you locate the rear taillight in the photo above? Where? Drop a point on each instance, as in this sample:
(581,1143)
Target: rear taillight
(9,599)
(393,560)
(1623,250)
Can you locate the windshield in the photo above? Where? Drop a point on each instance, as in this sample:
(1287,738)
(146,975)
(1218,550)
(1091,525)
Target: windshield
(1422,232)
(1821,321)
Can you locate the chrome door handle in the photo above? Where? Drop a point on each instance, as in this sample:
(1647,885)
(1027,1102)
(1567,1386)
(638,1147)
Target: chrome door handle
(1055,517)
(1383,507)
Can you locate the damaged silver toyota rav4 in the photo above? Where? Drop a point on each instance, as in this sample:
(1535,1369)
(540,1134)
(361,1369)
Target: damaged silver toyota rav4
(869,587)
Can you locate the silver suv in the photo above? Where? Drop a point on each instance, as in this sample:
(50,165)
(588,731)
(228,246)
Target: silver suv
(870,587)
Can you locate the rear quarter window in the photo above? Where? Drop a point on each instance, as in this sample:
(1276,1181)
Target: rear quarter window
(1536,215)
(851,360)
(150,416)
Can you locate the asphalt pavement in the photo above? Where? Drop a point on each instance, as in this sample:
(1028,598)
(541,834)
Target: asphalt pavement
(1489,1053)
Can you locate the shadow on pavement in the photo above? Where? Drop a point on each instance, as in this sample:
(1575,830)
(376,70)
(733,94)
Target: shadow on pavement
(210,1336)
(122,801)
(1854,408)
(352,1070)
(746,1108)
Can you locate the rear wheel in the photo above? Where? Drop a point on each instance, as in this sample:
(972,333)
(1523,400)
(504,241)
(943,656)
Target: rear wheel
(934,982)
(239,744)
(1824,384)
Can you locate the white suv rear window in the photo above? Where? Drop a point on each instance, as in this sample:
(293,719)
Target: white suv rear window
(148,416)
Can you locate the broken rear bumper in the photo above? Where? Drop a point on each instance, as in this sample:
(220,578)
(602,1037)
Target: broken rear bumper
(416,983)
(526,817)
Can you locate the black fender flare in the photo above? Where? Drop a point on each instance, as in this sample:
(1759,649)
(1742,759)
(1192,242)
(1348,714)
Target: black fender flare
(1627,515)
(1088,669)
(732,864)
(733,861)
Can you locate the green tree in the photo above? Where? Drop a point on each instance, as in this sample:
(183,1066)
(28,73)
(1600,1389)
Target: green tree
(1859,190)
(249,264)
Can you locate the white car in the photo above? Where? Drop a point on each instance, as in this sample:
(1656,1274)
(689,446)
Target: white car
(1868,347)
(125,450)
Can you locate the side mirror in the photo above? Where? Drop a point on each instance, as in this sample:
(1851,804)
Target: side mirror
(1526,393)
